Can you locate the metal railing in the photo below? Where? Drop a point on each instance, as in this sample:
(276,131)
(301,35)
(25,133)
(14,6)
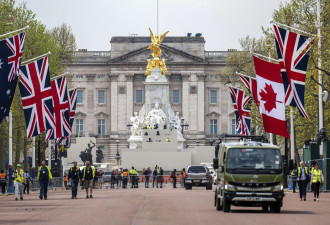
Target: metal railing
(92,54)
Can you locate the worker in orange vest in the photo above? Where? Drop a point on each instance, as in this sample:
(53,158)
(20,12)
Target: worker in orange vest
(66,180)
(3,181)
(184,175)
(174,176)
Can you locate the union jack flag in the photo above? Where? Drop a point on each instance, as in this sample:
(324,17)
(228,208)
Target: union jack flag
(72,103)
(59,142)
(37,97)
(292,51)
(251,84)
(242,110)
(61,110)
(16,45)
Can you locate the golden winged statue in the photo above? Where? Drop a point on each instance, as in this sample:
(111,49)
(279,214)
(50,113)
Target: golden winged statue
(156,40)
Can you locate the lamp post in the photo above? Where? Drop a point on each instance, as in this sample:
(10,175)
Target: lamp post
(117,157)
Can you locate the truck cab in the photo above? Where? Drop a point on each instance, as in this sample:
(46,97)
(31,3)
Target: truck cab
(249,173)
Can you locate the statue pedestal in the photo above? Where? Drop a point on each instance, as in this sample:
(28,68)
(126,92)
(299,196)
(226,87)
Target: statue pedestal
(135,142)
(156,90)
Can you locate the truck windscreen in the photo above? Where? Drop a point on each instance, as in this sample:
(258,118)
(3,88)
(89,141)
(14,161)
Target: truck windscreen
(253,160)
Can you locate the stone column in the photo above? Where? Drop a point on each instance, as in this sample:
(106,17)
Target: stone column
(90,104)
(129,96)
(185,96)
(114,103)
(201,102)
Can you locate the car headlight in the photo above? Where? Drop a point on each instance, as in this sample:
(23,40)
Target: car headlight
(229,187)
(278,187)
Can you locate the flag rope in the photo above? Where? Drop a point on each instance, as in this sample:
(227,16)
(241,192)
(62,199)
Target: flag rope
(237,73)
(35,58)
(15,31)
(58,76)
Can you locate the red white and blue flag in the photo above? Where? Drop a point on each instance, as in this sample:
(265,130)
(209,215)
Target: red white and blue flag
(72,102)
(66,141)
(251,84)
(37,97)
(242,110)
(16,45)
(61,110)
(271,96)
(292,51)
(11,51)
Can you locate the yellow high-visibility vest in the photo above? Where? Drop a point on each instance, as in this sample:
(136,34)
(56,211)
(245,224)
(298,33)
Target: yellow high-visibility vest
(317,176)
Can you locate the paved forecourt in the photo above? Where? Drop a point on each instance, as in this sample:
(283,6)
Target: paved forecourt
(153,206)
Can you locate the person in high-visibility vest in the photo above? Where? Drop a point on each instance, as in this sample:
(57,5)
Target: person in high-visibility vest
(88,175)
(74,176)
(294,180)
(44,176)
(303,179)
(174,175)
(124,175)
(3,182)
(19,181)
(184,175)
(134,177)
(317,178)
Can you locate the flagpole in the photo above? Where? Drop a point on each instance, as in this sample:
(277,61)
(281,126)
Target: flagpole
(15,31)
(271,136)
(265,57)
(49,154)
(35,58)
(291,28)
(318,25)
(33,157)
(10,179)
(157,17)
(58,76)
(292,134)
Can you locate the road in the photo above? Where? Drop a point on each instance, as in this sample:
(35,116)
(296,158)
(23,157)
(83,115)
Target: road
(153,207)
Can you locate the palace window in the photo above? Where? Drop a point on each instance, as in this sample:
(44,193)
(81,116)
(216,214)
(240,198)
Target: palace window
(80,76)
(101,127)
(213,127)
(80,127)
(79,96)
(101,99)
(101,76)
(138,96)
(213,96)
(176,96)
(233,126)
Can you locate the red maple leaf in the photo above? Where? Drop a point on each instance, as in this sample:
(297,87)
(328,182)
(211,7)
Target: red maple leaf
(269,96)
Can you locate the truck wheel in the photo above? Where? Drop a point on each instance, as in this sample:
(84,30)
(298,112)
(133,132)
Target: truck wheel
(217,202)
(276,207)
(225,205)
(188,186)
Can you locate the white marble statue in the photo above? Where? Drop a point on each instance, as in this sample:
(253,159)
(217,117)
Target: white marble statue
(156,116)
(137,125)
(175,123)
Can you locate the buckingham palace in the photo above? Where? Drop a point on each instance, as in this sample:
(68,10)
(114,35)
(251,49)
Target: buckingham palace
(110,88)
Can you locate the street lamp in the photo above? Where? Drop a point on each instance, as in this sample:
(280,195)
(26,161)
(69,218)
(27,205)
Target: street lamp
(117,157)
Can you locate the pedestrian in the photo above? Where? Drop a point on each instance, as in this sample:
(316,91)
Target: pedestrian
(125,177)
(317,178)
(134,177)
(303,179)
(294,180)
(174,175)
(161,177)
(100,178)
(74,176)
(147,175)
(95,182)
(19,181)
(3,182)
(88,176)
(183,177)
(27,182)
(113,179)
(155,177)
(44,176)
(120,178)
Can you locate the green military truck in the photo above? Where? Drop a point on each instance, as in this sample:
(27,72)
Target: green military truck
(249,173)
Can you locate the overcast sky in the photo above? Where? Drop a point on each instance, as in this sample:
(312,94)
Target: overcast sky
(94,22)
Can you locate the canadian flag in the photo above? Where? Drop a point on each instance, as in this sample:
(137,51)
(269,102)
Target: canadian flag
(271,96)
